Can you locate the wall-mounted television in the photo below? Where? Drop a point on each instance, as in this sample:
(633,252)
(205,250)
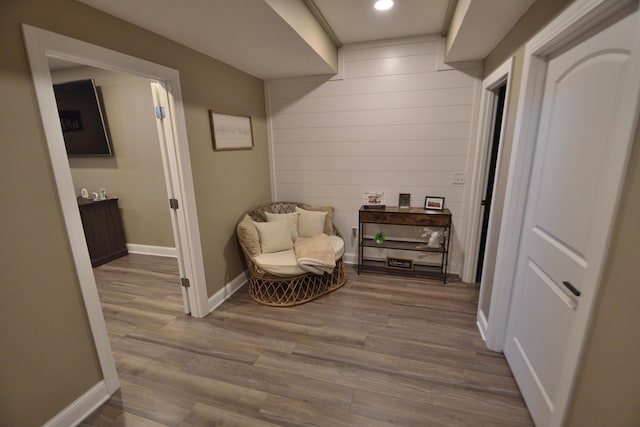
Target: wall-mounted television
(83,125)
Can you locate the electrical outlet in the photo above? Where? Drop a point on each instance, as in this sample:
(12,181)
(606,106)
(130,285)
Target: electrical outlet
(354,231)
(459,178)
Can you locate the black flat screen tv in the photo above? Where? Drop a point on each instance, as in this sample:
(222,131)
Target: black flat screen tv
(83,125)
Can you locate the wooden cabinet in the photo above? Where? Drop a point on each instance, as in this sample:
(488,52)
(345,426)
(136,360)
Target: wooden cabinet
(103,230)
(404,217)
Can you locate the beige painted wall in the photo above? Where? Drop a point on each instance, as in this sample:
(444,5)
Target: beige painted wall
(134,174)
(538,15)
(47,359)
(607,386)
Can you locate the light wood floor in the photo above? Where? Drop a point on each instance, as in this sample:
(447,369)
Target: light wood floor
(381,351)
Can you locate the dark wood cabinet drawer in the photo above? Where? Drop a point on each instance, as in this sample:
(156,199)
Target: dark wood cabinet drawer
(404,216)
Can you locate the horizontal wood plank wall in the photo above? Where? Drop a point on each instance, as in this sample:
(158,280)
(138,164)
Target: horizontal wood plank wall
(393,123)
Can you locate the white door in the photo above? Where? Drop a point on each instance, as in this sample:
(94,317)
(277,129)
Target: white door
(569,213)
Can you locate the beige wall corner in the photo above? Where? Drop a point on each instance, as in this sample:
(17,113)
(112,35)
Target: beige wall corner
(459,13)
(475,28)
(296,14)
(538,15)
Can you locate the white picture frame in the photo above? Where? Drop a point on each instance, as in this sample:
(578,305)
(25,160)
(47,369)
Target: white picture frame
(230,132)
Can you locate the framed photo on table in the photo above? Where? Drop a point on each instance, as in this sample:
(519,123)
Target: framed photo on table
(434,203)
(374,200)
(404,200)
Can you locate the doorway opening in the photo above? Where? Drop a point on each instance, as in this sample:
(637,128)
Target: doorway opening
(132,175)
(41,46)
(491,168)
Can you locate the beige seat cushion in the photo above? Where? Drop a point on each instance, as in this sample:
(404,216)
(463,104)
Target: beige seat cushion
(284,263)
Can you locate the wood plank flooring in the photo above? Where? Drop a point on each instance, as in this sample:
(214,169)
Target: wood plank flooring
(381,351)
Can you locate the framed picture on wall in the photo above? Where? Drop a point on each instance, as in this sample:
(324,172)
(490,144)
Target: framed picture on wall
(434,203)
(404,200)
(230,132)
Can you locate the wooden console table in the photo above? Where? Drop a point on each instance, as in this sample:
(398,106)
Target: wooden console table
(103,230)
(409,217)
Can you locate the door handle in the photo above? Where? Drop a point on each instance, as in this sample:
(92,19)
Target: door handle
(571,288)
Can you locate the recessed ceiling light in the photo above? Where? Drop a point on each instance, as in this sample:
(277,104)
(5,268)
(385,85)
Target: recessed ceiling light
(383,4)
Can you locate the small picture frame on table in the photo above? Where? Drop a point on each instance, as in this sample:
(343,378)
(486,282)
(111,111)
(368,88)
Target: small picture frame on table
(434,203)
(374,200)
(404,200)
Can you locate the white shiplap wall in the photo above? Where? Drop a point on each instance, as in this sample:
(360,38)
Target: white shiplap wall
(392,123)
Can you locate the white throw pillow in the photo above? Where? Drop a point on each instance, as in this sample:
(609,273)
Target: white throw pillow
(275,236)
(291,218)
(310,223)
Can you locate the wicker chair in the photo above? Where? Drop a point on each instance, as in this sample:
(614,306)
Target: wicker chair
(278,291)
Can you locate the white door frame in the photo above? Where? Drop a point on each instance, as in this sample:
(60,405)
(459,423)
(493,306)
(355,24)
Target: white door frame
(578,19)
(502,75)
(478,181)
(42,44)
(165,128)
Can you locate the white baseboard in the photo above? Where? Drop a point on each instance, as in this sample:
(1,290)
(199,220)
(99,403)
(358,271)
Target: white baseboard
(152,250)
(350,258)
(81,408)
(229,289)
(483,325)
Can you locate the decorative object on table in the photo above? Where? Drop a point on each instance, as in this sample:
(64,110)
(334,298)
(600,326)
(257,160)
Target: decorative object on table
(231,132)
(374,200)
(103,194)
(379,237)
(426,233)
(434,203)
(435,239)
(404,200)
(84,193)
(400,263)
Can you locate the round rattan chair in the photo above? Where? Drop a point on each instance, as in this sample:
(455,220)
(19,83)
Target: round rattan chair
(285,291)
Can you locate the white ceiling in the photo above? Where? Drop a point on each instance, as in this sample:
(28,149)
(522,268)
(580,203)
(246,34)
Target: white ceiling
(356,21)
(251,36)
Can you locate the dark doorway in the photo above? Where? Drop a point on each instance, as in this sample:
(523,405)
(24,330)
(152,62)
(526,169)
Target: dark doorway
(491,172)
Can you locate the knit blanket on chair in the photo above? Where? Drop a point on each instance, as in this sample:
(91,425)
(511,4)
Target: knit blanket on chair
(315,254)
